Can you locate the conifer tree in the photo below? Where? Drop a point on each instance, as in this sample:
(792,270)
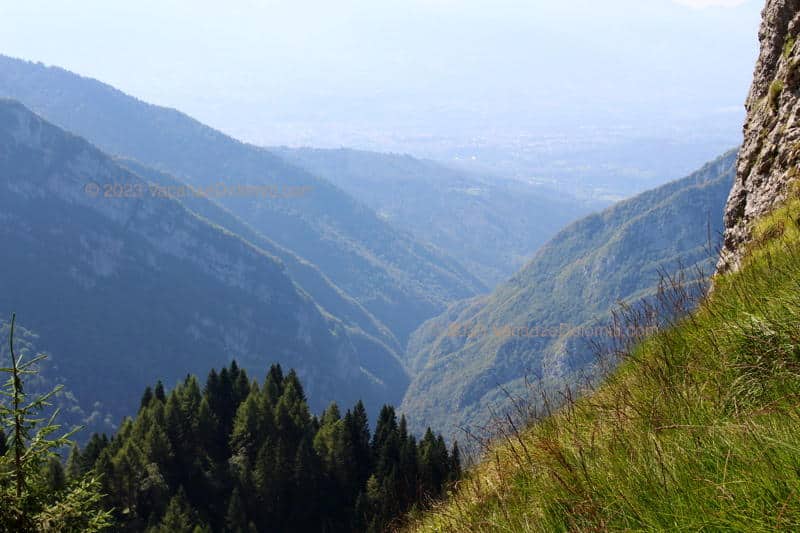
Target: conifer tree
(236,518)
(34,491)
(159,393)
(147,397)
(55,478)
(455,463)
(360,437)
(270,466)
(95,446)
(273,385)
(73,468)
(3,442)
(179,517)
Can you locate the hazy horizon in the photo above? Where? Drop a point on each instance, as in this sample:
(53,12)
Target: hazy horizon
(516,85)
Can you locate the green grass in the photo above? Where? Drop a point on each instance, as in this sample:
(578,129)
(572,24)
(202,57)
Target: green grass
(788,45)
(775,91)
(698,429)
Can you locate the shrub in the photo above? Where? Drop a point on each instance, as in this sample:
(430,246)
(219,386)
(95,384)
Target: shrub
(775,91)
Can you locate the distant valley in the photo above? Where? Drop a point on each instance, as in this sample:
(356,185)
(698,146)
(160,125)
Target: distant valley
(465,361)
(377,245)
(363,279)
(490,225)
(441,267)
(399,280)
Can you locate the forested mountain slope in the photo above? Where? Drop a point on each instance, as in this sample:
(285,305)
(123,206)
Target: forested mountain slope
(540,324)
(491,225)
(698,428)
(123,290)
(306,275)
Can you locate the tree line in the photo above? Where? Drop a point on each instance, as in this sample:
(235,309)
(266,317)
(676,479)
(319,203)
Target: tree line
(237,455)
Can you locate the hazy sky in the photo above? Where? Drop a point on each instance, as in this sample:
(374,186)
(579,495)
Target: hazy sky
(367,72)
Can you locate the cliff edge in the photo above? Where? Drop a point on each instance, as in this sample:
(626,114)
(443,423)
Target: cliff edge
(769,158)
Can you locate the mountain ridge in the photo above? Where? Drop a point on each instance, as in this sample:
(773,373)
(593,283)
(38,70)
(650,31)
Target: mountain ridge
(306,274)
(491,225)
(400,281)
(126,294)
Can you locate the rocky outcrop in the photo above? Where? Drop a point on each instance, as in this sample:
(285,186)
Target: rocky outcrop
(768,161)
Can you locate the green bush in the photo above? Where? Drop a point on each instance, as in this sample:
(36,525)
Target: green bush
(775,91)
(788,46)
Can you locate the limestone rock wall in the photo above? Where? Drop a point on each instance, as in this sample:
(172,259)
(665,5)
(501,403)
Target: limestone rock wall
(770,155)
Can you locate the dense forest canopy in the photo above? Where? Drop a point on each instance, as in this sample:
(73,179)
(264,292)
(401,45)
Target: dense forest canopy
(239,455)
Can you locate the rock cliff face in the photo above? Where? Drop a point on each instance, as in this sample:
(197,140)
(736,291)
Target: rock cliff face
(768,161)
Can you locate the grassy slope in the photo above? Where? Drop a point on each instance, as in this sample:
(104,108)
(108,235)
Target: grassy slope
(698,429)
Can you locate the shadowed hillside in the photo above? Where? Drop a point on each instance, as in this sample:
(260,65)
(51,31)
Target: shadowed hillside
(400,281)
(145,289)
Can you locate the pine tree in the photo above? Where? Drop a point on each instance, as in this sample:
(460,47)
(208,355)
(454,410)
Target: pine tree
(236,518)
(95,446)
(249,429)
(435,464)
(306,479)
(33,487)
(386,443)
(358,430)
(55,478)
(206,425)
(455,463)
(179,517)
(73,468)
(361,514)
(427,458)
(292,418)
(3,442)
(384,428)
(408,467)
(159,393)
(225,392)
(157,447)
(241,384)
(328,435)
(147,397)
(266,484)
(273,385)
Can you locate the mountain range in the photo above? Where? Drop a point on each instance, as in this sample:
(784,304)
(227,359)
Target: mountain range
(123,289)
(491,225)
(381,264)
(399,280)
